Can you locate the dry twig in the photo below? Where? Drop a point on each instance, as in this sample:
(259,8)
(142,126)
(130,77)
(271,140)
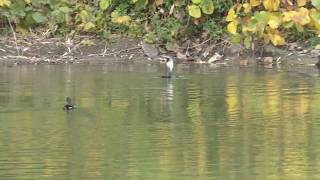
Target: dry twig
(14,36)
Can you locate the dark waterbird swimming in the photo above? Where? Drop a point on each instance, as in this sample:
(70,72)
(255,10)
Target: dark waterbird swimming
(169,66)
(69,105)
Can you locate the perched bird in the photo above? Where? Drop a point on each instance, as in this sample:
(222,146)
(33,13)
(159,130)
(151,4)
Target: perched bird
(69,105)
(169,66)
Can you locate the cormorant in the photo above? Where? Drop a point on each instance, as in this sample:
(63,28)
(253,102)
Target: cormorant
(169,66)
(69,105)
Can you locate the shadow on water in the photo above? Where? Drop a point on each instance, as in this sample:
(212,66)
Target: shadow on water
(204,123)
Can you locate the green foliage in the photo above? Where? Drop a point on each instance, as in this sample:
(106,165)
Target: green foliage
(104,4)
(214,28)
(313,41)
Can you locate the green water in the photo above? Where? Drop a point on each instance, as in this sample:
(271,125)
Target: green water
(205,123)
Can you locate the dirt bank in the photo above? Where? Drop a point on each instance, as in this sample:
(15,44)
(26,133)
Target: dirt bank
(89,50)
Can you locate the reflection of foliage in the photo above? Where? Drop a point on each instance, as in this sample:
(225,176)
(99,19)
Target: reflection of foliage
(265,20)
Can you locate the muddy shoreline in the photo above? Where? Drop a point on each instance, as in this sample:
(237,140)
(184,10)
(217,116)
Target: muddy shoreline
(88,50)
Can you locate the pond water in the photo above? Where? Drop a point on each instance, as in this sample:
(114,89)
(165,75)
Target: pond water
(204,123)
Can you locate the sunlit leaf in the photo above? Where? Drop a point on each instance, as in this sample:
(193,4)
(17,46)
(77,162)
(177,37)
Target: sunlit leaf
(232,27)
(38,18)
(235,38)
(104,4)
(252,25)
(245,29)
(231,15)
(274,21)
(287,16)
(5,3)
(255,3)
(207,6)
(28,1)
(301,2)
(287,24)
(87,42)
(84,15)
(196,1)
(302,16)
(276,39)
(247,8)
(262,16)
(122,20)
(247,41)
(316,3)
(271,5)
(315,15)
(89,26)
(194,11)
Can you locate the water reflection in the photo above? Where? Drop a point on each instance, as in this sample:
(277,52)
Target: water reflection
(213,123)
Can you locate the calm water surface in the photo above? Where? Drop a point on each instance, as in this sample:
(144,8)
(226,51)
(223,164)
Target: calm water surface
(205,123)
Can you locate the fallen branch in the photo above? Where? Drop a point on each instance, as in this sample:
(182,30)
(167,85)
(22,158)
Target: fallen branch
(195,45)
(120,51)
(14,36)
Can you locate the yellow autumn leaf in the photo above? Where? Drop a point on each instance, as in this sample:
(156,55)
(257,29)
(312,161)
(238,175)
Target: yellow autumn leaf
(287,16)
(245,29)
(232,27)
(255,3)
(122,20)
(246,8)
(271,5)
(89,26)
(5,3)
(231,15)
(274,21)
(301,3)
(28,1)
(276,39)
(302,17)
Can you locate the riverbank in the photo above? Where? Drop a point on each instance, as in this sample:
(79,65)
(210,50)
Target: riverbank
(90,50)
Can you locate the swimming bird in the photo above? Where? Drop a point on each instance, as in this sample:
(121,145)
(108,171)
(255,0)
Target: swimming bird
(69,105)
(169,66)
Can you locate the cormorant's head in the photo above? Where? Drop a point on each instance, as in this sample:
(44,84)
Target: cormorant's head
(167,58)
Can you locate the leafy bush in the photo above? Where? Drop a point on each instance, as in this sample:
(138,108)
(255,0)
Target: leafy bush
(166,21)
